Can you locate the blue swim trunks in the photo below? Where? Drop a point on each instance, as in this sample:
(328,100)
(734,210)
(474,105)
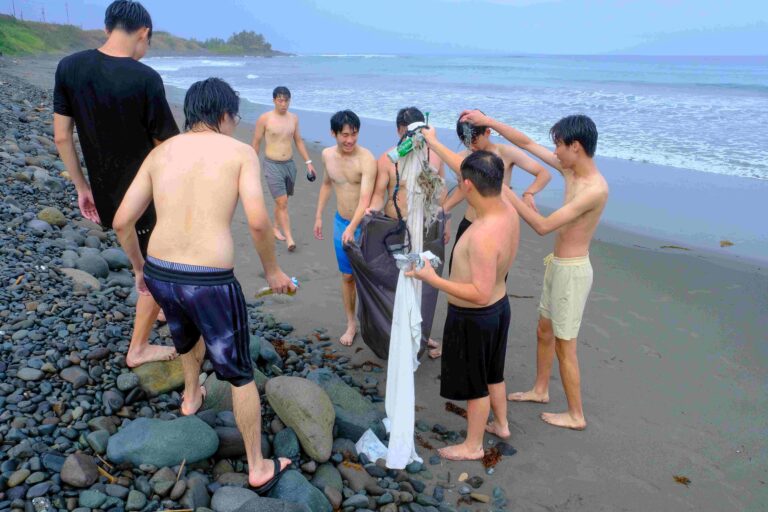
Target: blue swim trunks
(339,225)
(205,301)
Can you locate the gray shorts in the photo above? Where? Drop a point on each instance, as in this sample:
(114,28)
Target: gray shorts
(281,176)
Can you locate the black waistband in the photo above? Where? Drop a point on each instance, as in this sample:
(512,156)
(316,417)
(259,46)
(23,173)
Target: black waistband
(494,308)
(153,271)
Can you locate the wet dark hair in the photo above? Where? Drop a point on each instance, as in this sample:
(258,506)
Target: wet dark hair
(486,172)
(207,101)
(578,128)
(127,15)
(462,127)
(344,118)
(408,115)
(281,91)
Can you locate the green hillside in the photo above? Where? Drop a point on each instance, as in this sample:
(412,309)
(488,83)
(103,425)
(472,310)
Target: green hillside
(19,38)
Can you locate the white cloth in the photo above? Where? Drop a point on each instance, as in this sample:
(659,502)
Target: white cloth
(405,337)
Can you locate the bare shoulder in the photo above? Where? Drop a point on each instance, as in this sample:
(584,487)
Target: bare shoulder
(263,118)
(293,117)
(366,155)
(242,149)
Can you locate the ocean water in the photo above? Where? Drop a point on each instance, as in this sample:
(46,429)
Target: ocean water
(702,113)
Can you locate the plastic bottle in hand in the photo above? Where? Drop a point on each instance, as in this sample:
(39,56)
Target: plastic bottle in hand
(268,291)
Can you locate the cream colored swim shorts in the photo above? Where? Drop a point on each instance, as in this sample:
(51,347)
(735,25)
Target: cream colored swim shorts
(567,282)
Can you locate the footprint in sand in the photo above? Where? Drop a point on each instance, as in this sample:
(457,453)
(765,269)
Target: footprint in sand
(619,321)
(650,352)
(599,330)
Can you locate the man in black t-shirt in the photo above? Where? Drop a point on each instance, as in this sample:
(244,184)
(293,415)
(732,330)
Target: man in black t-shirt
(119,108)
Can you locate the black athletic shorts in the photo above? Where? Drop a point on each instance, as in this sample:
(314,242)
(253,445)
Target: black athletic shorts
(204,301)
(474,348)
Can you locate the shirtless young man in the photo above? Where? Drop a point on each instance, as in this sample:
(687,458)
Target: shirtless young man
(477,323)
(195,180)
(350,170)
(568,276)
(480,140)
(280,128)
(384,191)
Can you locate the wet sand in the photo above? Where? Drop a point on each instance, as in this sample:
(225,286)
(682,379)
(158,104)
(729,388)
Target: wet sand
(673,356)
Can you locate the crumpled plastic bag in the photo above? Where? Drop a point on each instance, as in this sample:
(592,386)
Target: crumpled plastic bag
(371,446)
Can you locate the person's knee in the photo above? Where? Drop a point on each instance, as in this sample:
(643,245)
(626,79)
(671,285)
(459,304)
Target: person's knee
(544,330)
(347,279)
(281,203)
(566,349)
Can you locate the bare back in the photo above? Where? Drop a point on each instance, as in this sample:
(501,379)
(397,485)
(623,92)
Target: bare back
(386,165)
(278,135)
(346,175)
(574,238)
(195,186)
(497,235)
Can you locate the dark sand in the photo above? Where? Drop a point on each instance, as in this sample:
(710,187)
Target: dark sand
(674,366)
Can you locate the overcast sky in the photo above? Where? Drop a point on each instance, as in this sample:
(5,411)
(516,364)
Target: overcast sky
(671,27)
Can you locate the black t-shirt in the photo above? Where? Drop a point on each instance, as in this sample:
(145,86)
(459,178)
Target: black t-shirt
(119,107)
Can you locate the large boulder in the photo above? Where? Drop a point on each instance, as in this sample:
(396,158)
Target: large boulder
(306,408)
(82,280)
(270,505)
(327,476)
(116,258)
(163,443)
(293,487)
(160,377)
(93,264)
(52,216)
(354,414)
(230,499)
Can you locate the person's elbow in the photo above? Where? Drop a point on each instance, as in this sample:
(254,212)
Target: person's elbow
(542,227)
(544,176)
(259,226)
(482,297)
(62,138)
(122,224)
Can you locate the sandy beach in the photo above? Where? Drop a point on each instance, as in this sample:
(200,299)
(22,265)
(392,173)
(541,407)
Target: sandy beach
(673,356)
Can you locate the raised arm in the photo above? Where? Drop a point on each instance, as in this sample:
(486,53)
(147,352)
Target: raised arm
(514,136)
(258,133)
(302,149)
(367,183)
(133,206)
(482,266)
(322,200)
(63,128)
(541,175)
(451,159)
(252,197)
(380,188)
(584,202)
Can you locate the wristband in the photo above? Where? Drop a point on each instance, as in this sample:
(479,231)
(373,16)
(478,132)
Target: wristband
(308,162)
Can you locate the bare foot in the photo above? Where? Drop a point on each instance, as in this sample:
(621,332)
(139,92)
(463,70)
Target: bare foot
(149,354)
(498,430)
(529,396)
(564,420)
(279,235)
(349,336)
(259,476)
(191,404)
(291,245)
(460,452)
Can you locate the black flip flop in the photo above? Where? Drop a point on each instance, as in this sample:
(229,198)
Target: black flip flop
(266,487)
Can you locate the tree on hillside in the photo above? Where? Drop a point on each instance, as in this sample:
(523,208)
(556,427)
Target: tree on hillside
(249,40)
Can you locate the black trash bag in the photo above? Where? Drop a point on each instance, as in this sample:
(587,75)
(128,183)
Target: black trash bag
(375,273)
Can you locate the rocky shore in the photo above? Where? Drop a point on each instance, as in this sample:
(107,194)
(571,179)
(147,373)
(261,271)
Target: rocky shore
(79,430)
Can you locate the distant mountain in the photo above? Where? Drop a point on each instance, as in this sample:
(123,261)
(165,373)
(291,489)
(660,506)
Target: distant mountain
(18,38)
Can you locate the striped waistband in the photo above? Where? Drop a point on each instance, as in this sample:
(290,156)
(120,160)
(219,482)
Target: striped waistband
(182,273)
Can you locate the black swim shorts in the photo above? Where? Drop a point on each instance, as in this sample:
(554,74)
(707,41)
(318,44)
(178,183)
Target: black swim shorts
(204,301)
(474,348)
